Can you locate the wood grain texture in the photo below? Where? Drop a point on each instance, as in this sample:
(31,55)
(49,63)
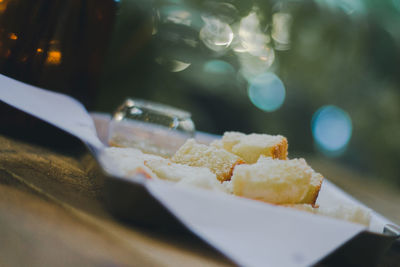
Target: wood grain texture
(51,214)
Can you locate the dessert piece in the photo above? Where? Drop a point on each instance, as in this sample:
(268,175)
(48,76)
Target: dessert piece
(268,176)
(184,174)
(251,147)
(228,140)
(126,162)
(273,180)
(219,161)
(313,189)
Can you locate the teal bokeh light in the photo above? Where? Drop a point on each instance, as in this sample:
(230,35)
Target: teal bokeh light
(331,128)
(267,92)
(218,67)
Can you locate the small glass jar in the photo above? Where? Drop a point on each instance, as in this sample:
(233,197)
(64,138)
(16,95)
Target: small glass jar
(151,127)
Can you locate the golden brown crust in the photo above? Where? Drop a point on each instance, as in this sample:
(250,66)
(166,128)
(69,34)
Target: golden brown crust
(315,194)
(280,151)
(312,194)
(225,175)
(228,177)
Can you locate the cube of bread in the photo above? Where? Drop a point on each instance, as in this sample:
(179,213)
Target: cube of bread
(219,161)
(184,174)
(273,180)
(228,140)
(251,147)
(313,189)
(127,162)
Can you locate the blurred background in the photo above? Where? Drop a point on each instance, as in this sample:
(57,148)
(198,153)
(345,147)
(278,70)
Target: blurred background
(323,73)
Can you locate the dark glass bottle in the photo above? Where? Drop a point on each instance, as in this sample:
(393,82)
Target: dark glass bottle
(54,44)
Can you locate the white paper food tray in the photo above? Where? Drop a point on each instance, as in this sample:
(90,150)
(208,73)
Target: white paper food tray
(249,232)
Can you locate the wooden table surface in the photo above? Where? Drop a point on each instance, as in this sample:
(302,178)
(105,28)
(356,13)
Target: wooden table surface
(52,214)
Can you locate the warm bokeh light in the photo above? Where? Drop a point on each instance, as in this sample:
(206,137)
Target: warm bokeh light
(267,92)
(53,57)
(331,128)
(3,5)
(13,36)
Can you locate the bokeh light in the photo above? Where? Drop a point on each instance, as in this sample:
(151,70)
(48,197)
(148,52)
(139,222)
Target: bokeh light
(331,128)
(281,24)
(215,34)
(350,7)
(218,67)
(267,92)
(3,5)
(176,14)
(13,36)
(238,45)
(225,11)
(53,57)
(253,66)
(251,35)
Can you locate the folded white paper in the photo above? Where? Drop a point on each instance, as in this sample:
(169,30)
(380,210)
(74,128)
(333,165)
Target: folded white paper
(254,233)
(57,109)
